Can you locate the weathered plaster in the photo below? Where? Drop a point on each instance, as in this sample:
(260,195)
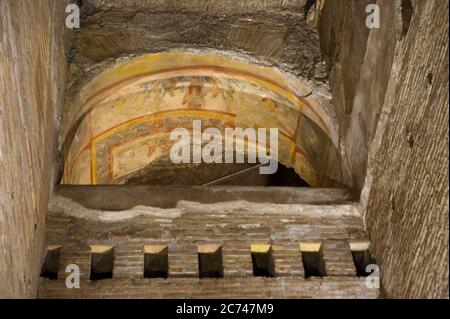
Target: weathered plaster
(126,114)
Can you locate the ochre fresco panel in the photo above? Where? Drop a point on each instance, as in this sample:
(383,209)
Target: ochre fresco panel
(132,108)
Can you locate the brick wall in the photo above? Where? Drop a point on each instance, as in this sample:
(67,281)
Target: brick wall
(407,203)
(396,133)
(236,225)
(31,78)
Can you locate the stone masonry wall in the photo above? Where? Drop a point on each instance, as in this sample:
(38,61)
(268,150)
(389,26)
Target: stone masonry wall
(182,226)
(390,89)
(407,186)
(31,79)
(359,60)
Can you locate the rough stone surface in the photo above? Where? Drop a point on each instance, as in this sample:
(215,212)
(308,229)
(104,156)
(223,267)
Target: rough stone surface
(407,185)
(343,40)
(235,225)
(390,91)
(359,60)
(31,80)
(273,31)
(249,26)
(114,197)
(370,91)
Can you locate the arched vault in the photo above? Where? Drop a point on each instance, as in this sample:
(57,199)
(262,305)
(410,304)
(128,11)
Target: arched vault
(122,120)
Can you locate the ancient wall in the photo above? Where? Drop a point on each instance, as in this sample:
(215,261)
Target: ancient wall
(31,78)
(273,30)
(238,220)
(407,185)
(390,100)
(390,89)
(359,60)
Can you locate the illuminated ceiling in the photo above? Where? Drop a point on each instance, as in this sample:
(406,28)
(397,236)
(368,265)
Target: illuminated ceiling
(121,123)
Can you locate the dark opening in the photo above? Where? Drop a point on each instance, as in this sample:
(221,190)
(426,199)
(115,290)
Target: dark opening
(308,6)
(156,262)
(313,262)
(263,264)
(210,263)
(102,261)
(286,176)
(406,13)
(244,174)
(51,264)
(248,175)
(362,259)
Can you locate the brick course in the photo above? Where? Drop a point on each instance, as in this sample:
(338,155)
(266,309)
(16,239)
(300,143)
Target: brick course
(235,225)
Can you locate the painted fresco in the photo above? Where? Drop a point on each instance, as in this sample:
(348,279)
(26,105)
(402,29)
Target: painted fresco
(126,114)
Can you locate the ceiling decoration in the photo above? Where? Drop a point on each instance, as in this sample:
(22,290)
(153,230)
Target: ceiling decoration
(123,118)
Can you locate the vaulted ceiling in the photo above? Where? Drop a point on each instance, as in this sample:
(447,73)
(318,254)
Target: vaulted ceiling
(139,69)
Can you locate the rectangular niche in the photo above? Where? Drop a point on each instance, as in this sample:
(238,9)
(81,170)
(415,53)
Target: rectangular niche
(262,259)
(156,262)
(210,261)
(361,257)
(51,263)
(102,261)
(312,259)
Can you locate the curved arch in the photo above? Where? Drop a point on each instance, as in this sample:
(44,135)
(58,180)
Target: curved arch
(123,117)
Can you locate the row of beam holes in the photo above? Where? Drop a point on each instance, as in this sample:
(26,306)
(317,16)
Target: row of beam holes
(156,262)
